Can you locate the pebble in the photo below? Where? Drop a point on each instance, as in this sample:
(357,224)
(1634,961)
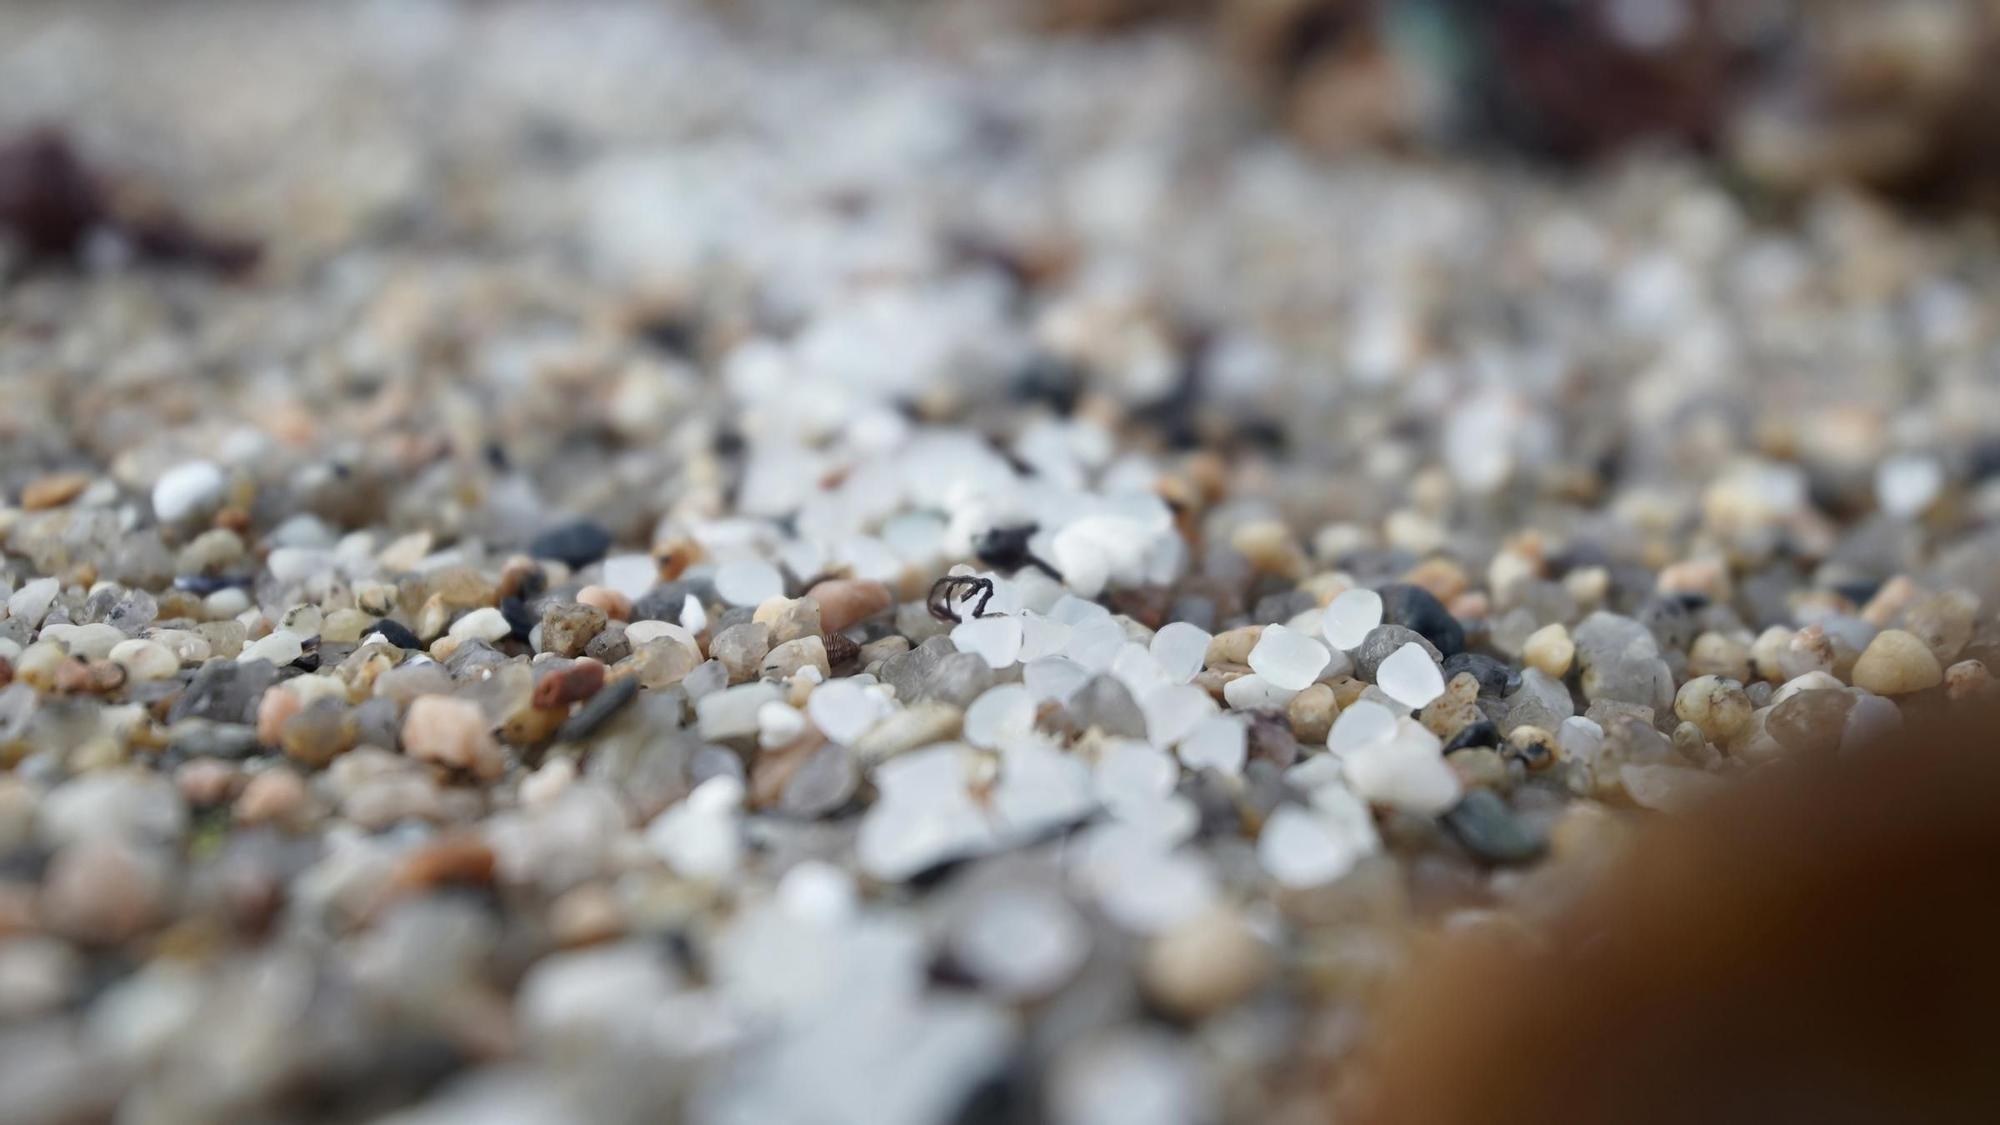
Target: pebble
(484,624)
(575,544)
(1350,617)
(1420,611)
(1205,965)
(454,734)
(1410,676)
(1382,642)
(741,649)
(612,603)
(187,490)
(847,602)
(567,627)
(1288,659)
(1549,650)
(1719,707)
(144,660)
(788,659)
(1484,826)
(1897,663)
(748,582)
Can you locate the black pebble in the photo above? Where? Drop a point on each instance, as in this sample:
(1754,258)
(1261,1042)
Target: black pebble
(396,633)
(1417,609)
(1484,732)
(519,617)
(597,709)
(575,544)
(1494,677)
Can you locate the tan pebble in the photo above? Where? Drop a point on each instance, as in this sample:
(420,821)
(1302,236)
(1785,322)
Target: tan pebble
(1205,965)
(1588,585)
(345,626)
(1550,650)
(1967,680)
(785,660)
(273,795)
(1708,577)
(1312,712)
(1714,654)
(205,781)
(615,605)
(845,602)
(1889,602)
(452,733)
(1897,663)
(103,891)
(586,915)
(53,491)
(1481,767)
(1767,654)
(1718,708)
(1233,646)
(1944,622)
(1270,547)
(1443,577)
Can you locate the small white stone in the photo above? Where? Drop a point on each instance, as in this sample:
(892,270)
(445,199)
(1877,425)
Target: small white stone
(31,602)
(646,632)
(145,660)
(700,838)
(1172,711)
(693,617)
(778,724)
(1906,485)
(1022,942)
(1350,617)
(996,640)
(1406,771)
(732,712)
(1131,773)
(484,624)
(1218,742)
(1179,648)
(844,710)
(1001,714)
(280,648)
(750,582)
(1302,848)
(1053,678)
(1364,723)
(1287,658)
(186,490)
(1255,693)
(1410,676)
(632,575)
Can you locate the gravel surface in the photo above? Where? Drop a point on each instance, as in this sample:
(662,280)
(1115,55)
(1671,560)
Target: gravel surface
(855,564)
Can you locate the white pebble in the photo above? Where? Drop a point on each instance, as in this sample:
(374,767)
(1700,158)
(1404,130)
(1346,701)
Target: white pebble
(484,624)
(631,574)
(844,710)
(187,490)
(1022,941)
(1218,743)
(700,838)
(145,660)
(1255,693)
(750,582)
(1000,715)
(1053,678)
(996,640)
(778,723)
(1410,676)
(31,602)
(1406,771)
(280,648)
(1907,485)
(645,632)
(1364,723)
(732,712)
(1179,648)
(1350,617)
(1288,658)
(1172,711)
(1303,848)
(693,617)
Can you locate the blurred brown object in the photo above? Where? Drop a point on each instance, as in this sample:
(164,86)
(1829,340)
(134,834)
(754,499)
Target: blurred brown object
(51,201)
(1814,945)
(1795,94)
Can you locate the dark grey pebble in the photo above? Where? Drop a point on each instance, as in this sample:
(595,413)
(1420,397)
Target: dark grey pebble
(597,709)
(576,544)
(1487,828)
(1494,677)
(1414,607)
(1381,643)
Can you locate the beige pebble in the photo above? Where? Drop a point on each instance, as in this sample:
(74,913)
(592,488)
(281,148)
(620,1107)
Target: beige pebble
(1944,622)
(1707,577)
(277,705)
(844,602)
(1588,585)
(1312,712)
(786,659)
(145,660)
(452,733)
(1897,663)
(1715,654)
(1233,646)
(1205,965)
(1719,708)
(53,491)
(1270,547)
(1767,654)
(103,891)
(1550,650)
(205,781)
(615,605)
(586,915)
(1889,602)
(273,795)
(1967,680)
